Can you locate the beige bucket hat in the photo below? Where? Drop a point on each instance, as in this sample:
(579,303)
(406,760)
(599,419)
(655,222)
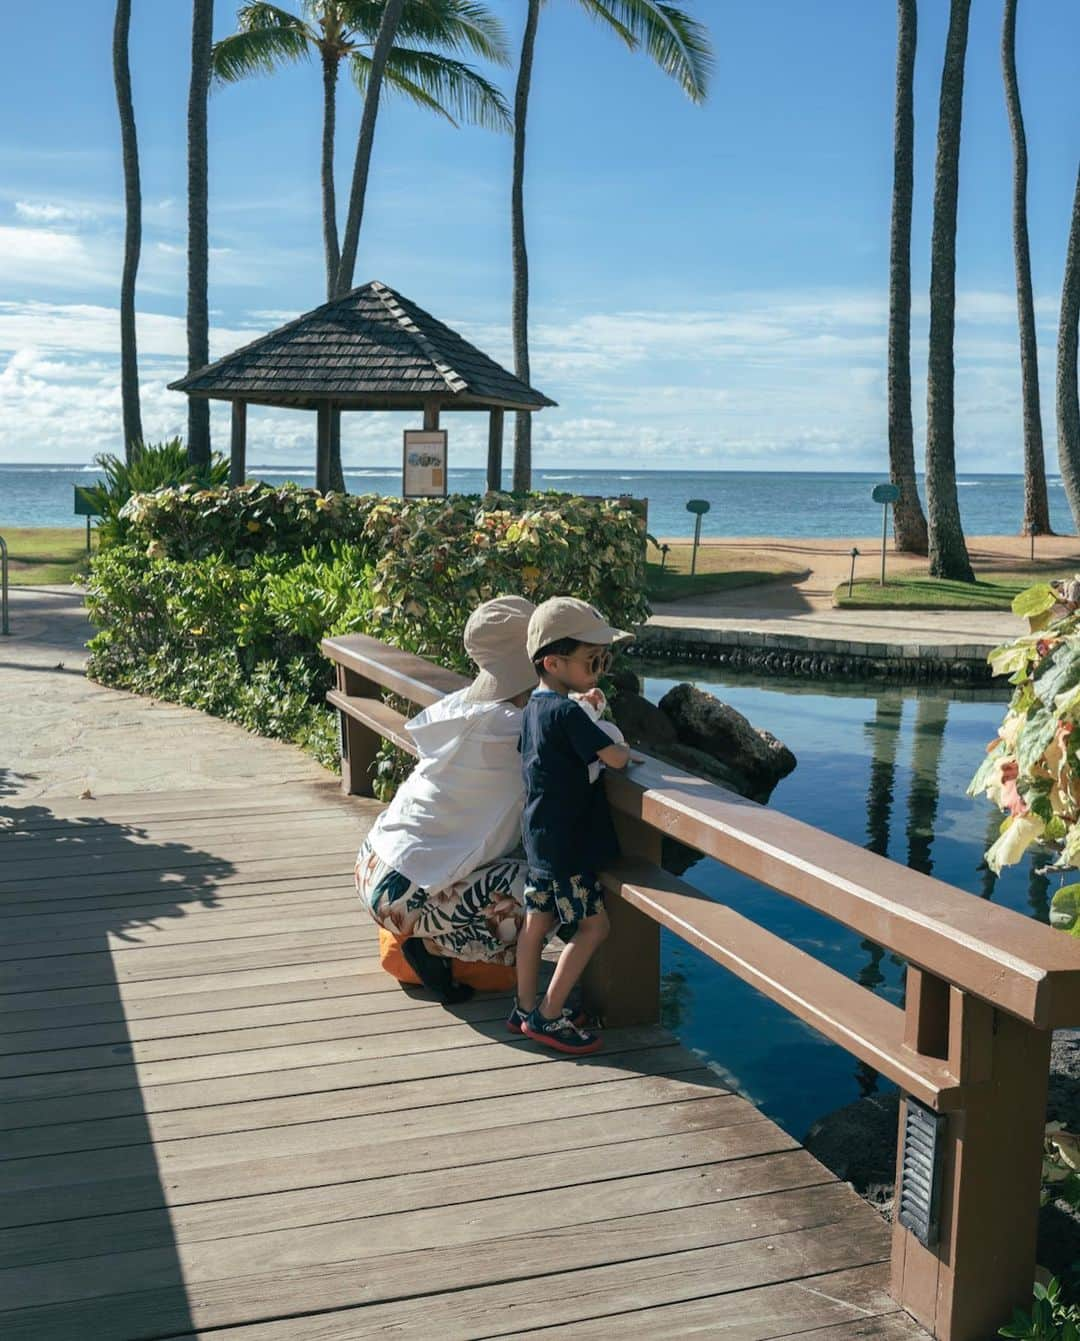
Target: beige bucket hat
(495,640)
(567,617)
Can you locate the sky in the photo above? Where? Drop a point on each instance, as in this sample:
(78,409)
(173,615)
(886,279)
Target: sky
(709,284)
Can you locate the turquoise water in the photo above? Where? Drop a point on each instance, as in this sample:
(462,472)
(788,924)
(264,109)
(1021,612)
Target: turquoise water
(882,768)
(804,505)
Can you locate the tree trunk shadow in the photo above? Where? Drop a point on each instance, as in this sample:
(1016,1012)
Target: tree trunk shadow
(80,901)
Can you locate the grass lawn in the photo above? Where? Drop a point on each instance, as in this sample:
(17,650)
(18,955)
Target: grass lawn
(44,554)
(719,568)
(915,591)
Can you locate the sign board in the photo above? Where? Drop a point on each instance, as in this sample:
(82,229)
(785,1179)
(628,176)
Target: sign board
(885,493)
(84,504)
(698,505)
(423,470)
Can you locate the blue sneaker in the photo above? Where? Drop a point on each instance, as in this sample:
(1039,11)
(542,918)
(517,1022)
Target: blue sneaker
(562,1035)
(517,1017)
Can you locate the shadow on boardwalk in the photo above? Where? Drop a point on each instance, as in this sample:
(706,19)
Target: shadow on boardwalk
(71,889)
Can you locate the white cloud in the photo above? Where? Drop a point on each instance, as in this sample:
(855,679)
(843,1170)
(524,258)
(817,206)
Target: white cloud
(758,380)
(48,213)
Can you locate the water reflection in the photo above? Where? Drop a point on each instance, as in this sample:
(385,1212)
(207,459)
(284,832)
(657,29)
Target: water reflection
(885,767)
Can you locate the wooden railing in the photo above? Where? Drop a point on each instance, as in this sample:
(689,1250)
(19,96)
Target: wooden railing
(985,986)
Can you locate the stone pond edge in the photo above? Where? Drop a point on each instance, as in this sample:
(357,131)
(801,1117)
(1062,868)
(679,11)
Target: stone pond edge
(797,654)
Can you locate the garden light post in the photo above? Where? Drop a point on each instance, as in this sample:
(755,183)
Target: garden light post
(851,577)
(698,506)
(884,494)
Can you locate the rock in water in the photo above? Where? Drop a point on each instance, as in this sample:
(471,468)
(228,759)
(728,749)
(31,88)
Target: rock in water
(642,722)
(704,723)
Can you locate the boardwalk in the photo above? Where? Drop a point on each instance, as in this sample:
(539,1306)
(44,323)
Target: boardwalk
(221,1119)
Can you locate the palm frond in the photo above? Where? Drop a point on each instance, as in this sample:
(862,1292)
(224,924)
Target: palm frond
(441,84)
(260,49)
(678,43)
(455,25)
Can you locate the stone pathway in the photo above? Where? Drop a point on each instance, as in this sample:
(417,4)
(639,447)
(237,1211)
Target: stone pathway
(62,734)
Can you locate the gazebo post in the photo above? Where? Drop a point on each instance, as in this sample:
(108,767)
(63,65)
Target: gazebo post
(495,449)
(323,416)
(431,414)
(238,443)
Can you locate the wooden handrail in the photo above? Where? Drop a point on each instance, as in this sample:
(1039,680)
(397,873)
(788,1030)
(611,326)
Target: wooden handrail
(992,952)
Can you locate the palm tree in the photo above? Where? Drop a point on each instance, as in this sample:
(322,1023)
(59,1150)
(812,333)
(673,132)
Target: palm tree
(909,524)
(423,65)
(198,311)
(680,46)
(1068,396)
(129,358)
(948,552)
(1036,502)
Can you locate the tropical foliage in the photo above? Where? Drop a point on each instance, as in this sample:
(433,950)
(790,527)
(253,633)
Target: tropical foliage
(1032,766)
(1052,1317)
(218,598)
(155,466)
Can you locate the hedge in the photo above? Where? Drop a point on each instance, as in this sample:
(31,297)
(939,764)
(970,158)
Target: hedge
(219,597)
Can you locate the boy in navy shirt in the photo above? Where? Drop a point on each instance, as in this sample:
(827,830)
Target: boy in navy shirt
(567,827)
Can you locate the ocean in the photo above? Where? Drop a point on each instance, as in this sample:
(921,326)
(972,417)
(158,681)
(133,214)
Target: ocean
(805,504)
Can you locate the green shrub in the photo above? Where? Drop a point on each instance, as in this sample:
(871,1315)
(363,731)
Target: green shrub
(155,466)
(219,598)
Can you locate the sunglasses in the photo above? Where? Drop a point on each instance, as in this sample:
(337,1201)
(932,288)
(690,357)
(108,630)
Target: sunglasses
(596,663)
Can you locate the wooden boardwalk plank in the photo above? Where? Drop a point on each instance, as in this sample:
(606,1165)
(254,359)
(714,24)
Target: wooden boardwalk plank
(219,1115)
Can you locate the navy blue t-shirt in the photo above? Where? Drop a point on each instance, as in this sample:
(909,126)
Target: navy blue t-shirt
(567,826)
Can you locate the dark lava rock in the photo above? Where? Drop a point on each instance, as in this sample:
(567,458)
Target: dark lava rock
(625,680)
(642,722)
(704,723)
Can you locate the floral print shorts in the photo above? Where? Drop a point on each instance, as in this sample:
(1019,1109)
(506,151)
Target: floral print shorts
(476,919)
(570,899)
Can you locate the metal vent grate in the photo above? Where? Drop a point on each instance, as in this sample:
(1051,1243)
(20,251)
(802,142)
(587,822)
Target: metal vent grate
(920,1172)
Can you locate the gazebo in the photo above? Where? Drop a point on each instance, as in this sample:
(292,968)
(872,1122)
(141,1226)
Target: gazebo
(371,349)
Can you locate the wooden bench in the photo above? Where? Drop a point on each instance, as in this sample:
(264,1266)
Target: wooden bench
(985,985)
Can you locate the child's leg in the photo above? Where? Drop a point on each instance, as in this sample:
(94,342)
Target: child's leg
(530,947)
(591,934)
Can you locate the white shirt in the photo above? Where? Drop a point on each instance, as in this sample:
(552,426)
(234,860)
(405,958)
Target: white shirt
(460,807)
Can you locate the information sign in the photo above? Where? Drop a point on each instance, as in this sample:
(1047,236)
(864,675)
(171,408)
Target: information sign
(423,473)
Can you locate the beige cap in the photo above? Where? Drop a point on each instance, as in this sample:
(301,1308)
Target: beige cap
(495,640)
(567,617)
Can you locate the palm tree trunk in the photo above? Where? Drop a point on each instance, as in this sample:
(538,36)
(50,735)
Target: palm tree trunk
(329,202)
(129,358)
(383,42)
(948,552)
(519,319)
(198,313)
(909,524)
(1036,502)
(330,236)
(1068,394)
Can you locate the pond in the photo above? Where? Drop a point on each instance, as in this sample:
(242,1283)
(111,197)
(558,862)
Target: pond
(881,766)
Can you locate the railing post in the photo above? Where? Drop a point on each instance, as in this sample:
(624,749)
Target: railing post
(622,982)
(359,743)
(967,1284)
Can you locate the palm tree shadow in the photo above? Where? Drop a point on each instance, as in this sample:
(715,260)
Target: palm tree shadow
(82,903)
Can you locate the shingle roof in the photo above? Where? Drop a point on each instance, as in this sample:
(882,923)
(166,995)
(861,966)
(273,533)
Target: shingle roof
(371,343)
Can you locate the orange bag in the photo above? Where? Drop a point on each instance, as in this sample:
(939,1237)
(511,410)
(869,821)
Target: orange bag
(480,976)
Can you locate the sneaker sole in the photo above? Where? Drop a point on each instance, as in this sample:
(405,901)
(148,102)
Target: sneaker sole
(556,1046)
(512,1028)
